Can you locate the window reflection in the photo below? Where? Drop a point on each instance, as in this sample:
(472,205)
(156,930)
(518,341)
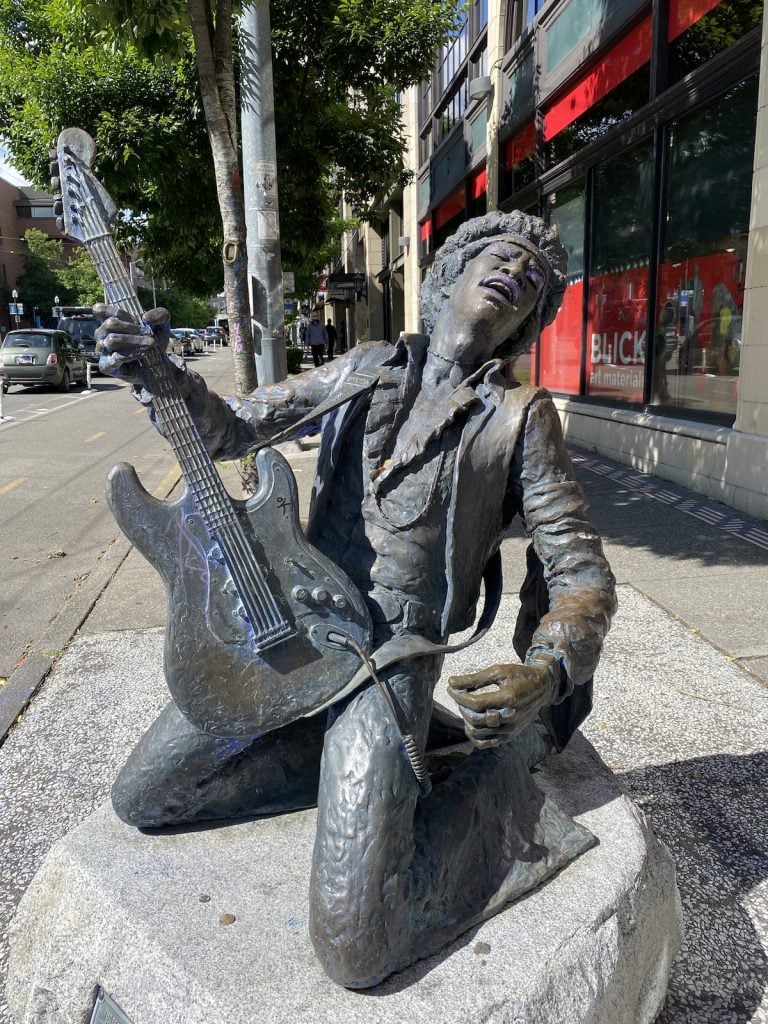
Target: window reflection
(697,342)
(559,351)
(700,29)
(618,282)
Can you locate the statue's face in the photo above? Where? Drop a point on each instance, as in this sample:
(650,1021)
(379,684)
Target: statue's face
(497,291)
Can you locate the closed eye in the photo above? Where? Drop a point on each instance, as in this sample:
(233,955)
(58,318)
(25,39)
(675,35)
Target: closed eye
(535,277)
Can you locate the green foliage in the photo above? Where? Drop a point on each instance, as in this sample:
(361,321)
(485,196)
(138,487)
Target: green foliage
(125,72)
(186,310)
(294,357)
(39,281)
(48,273)
(157,28)
(80,281)
(153,152)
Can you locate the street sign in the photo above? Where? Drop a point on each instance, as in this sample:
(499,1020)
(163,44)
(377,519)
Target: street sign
(13,309)
(20,308)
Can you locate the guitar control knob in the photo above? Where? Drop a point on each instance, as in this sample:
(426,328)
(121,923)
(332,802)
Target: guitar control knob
(321,595)
(340,602)
(300,594)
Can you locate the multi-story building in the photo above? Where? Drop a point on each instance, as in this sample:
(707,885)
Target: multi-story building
(638,128)
(22,208)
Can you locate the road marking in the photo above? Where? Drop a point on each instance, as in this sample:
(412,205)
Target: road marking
(12,484)
(101,433)
(168,482)
(140,412)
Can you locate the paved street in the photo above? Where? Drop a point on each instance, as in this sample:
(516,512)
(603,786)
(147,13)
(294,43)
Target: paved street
(681,712)
(55,452)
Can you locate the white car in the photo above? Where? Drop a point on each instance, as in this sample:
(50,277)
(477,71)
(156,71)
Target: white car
(198,345)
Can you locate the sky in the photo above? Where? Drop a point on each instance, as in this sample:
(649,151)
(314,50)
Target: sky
(8,172)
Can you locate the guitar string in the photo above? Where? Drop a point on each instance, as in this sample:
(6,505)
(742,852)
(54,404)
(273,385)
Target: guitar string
(267,611)
(208,491)
(245,565)
(174,410)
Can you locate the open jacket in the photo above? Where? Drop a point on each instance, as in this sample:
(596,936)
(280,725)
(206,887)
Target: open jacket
(511,461)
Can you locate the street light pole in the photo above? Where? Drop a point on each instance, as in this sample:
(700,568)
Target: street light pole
(262,219)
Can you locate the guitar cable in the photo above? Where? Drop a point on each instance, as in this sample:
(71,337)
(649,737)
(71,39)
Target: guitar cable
(410,744)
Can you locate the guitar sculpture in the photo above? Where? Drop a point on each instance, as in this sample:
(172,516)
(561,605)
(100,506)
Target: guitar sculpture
(254,613)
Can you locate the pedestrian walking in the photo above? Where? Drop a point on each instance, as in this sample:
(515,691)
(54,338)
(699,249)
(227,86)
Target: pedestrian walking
(317,339)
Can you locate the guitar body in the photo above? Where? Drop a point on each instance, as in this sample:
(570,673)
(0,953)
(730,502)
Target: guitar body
(218,678)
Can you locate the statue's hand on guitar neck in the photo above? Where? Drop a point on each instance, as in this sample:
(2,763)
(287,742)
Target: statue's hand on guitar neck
(121,342)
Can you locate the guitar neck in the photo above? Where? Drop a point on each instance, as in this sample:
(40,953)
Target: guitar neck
(208,492)
(87,212)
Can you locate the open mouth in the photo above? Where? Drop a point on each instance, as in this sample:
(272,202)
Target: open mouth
(507,288)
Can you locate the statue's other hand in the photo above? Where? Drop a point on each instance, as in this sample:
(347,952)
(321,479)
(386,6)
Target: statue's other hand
(121,342)
(499,702)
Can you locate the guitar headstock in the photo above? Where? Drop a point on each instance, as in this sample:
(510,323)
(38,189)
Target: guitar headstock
(86,210)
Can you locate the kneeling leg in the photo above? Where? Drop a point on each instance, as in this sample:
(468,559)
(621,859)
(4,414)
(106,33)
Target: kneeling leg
(178,775)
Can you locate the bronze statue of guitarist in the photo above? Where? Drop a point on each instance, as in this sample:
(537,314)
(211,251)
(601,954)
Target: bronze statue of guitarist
(419,476)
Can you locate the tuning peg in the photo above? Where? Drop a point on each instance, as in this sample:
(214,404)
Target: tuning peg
(58,208)
(54,168)
(56,184)
(60,224)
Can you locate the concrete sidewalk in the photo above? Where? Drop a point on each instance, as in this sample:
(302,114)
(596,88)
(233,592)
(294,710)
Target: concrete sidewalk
(681,716)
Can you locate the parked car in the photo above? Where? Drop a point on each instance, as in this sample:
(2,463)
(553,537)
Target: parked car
(198,345)
(38,356)
(82,327)
(215,335)
(180,343)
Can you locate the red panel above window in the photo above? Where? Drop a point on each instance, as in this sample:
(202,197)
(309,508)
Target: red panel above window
(426,230)
(447,211)
(629,54)
(478,184)
(519,147)
(684,13)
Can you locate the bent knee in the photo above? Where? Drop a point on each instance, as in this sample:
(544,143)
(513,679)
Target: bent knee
(350,964)
(352,948)
(135,806)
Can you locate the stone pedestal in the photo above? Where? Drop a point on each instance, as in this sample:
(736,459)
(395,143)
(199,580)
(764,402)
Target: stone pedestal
(210,927)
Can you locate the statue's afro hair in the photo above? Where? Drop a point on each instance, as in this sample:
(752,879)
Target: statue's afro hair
(471,238)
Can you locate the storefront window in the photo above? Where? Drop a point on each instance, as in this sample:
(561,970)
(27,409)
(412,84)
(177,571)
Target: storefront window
(425,192)
(578,20)
(425,237)
(477,133)
(615,87)
(520,91)
(519,167)
(425,147)
(701,277)
(618,282)
(449,216)
(478,202)
(559,351)
(699,29)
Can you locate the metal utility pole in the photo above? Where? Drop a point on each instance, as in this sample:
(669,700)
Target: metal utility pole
(262,220)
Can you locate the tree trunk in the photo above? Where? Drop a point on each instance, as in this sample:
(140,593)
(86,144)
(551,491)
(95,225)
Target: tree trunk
(213,48)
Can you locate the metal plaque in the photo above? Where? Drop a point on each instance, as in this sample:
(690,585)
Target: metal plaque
(106,1010)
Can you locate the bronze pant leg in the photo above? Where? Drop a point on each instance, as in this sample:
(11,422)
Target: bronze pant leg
(396,876)
(177,775)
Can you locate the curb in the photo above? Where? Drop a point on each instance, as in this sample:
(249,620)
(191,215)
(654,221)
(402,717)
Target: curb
(27,678)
